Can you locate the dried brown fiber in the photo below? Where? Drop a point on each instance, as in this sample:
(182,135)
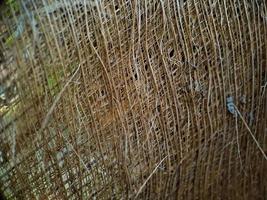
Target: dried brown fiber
(133,99)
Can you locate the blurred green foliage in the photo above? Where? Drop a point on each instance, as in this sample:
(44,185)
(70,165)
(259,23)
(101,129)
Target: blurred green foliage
(12,6)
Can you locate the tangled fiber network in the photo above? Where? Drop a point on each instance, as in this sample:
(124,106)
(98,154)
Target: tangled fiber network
(133,99)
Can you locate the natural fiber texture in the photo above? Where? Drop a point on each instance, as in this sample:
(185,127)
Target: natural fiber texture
(134,99)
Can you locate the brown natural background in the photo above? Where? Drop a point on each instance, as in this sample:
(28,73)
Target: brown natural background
(133,99)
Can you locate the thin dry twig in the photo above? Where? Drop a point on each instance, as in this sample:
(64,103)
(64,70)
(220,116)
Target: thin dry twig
(153,172)
(250,132)
(50,111)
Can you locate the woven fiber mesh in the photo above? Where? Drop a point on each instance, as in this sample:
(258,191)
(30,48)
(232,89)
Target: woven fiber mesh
(133,99)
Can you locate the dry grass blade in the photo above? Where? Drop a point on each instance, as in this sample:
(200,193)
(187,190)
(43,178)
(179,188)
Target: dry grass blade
(51,109)
(251,134)
(148,178)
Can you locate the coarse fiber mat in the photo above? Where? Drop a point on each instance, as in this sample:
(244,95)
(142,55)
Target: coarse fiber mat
(133,99)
